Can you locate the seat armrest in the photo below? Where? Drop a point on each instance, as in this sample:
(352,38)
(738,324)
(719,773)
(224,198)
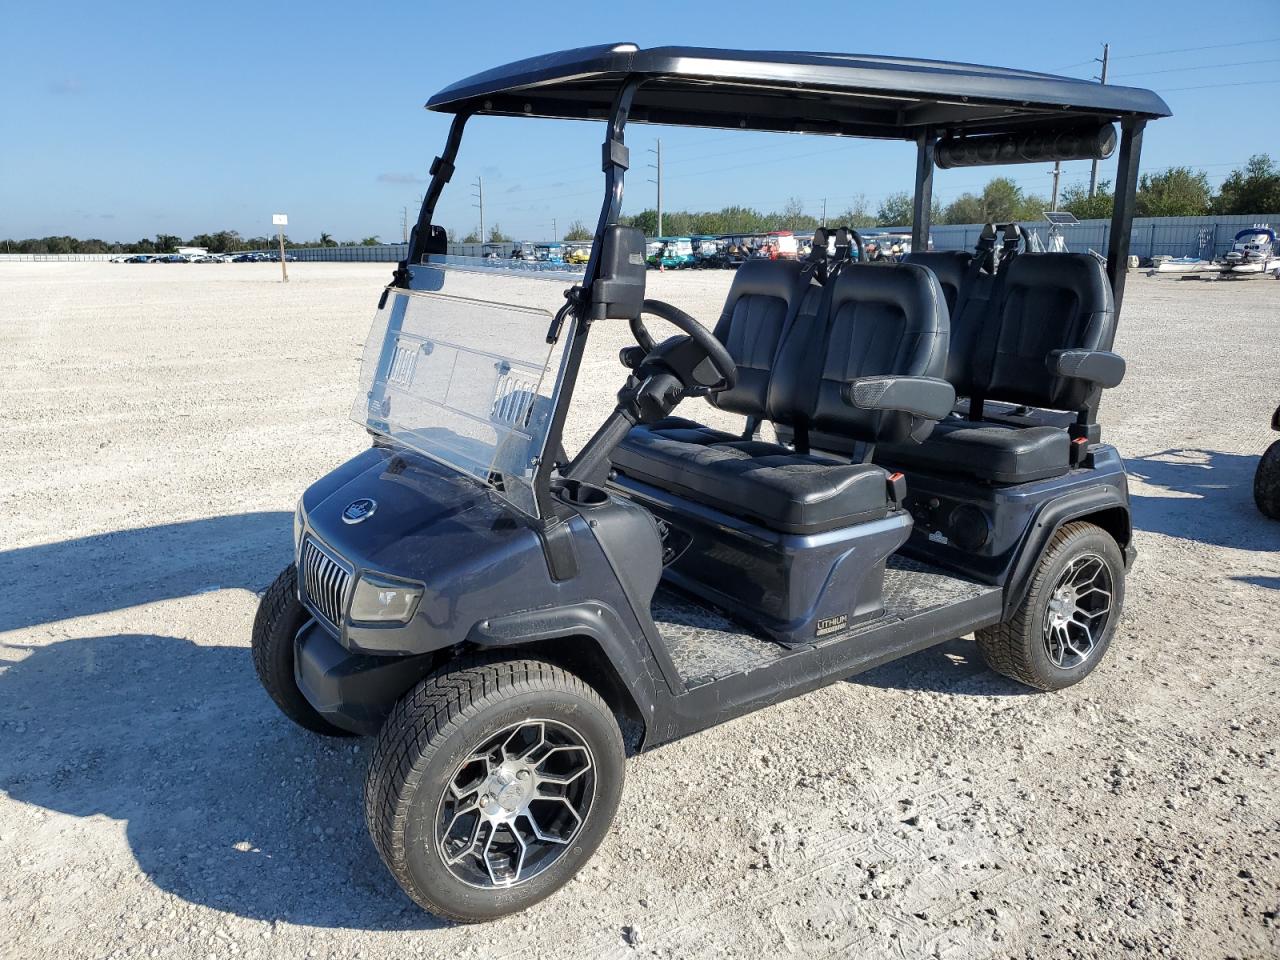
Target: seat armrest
(1097,366)
(926,397)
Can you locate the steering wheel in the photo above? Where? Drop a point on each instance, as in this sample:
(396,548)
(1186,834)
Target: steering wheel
(713,349)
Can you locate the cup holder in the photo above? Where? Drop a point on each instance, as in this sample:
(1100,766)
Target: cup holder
(581,494)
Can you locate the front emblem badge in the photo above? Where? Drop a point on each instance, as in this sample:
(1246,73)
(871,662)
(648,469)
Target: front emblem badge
(359,510)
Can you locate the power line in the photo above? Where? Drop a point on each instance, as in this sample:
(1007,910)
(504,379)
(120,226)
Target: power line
(1205,66)
(1215,46)
(1213,86)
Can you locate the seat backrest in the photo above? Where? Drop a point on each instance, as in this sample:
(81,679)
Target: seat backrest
(949,266)
(1046,302)
(877,319)
(763,299)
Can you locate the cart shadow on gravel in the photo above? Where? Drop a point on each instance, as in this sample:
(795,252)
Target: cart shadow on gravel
(126,568)
(955,668)
(227,805)
(1200,495)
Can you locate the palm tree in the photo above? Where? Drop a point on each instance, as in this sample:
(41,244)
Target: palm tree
(326,240)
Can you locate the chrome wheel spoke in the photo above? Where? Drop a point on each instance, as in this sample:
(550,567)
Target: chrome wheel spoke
(567,754)
(472,841)
(515,804)
(1078,611)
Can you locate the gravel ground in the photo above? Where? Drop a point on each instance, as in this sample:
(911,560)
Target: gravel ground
(158,424)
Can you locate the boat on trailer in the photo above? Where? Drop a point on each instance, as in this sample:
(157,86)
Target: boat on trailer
(1253,252)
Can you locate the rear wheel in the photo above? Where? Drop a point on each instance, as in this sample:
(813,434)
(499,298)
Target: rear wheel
(1266,482)
(491,784)
(1062,628)
(280,617)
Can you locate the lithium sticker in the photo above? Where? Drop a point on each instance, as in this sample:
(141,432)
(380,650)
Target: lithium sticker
(829,625)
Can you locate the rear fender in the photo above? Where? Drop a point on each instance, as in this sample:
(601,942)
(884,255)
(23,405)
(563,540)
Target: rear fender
(1106,505)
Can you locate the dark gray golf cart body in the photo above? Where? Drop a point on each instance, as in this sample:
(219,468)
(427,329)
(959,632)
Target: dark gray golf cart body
(626,582)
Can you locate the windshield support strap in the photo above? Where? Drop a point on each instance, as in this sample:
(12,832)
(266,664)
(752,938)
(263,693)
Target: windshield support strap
(616,154)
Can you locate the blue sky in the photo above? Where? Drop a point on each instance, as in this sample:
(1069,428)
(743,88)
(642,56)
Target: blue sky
(124,120)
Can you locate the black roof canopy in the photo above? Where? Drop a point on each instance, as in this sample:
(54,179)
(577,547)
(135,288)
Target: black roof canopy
(832,93)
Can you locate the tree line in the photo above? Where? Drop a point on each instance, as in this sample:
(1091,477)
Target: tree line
(223,241)
(1173,192)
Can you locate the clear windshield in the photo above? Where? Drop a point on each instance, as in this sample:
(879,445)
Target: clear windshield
(458,368)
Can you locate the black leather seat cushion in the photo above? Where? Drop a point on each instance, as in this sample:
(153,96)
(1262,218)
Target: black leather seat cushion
(994,452)
(758,481)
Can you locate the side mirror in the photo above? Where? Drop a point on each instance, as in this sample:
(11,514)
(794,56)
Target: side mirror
(618,292)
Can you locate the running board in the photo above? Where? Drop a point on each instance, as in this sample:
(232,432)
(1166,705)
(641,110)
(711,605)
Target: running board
(729,671)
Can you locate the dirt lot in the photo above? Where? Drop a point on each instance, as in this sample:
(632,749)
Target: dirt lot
(157,424)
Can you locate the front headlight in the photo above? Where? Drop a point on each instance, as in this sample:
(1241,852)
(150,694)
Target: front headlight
(384,600)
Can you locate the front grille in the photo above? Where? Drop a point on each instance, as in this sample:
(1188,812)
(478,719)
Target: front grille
(325,581)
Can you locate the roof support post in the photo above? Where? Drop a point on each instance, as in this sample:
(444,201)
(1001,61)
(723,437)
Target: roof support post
(614,162)
(441,172)
(922,203)
(1122,210)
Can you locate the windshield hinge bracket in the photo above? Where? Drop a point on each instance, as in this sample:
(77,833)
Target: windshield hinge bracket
(575,299)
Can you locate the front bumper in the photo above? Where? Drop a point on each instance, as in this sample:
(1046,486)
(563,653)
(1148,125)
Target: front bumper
(354,691)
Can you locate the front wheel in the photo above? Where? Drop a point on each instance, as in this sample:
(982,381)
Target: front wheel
(1062,628)
(491,785)
(1266,482)
(280,616)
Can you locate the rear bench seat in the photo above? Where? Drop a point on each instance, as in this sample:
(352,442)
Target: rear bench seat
(872,321)
(1024,348)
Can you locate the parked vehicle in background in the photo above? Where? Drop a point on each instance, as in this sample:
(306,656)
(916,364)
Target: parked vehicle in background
(577,254)
(1253,252)
(1266,481)
(492,251)
(672,253)
(739,248)
(780,245)
(708,253)
(548,252)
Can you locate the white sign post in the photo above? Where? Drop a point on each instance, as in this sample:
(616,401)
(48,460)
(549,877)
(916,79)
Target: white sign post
(280,221)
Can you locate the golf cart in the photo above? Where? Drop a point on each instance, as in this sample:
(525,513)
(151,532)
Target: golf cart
(497,612)
(671,253)
(1266,481)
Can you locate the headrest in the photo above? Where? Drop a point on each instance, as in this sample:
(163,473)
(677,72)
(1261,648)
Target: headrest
(773,278)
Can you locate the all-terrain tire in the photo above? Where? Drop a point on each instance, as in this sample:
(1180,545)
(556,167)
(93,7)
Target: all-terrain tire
(433,729)
(1017,647)
(280,616)
(1266,482)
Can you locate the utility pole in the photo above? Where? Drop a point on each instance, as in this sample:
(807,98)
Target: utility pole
(1093,170)
(658,166)
(404,223)
(1057,172)
(479,195)
(555,234)
(824,213)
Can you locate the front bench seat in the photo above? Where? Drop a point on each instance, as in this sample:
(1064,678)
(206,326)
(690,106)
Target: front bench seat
(1051,309)
(887,323)
(762,482)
